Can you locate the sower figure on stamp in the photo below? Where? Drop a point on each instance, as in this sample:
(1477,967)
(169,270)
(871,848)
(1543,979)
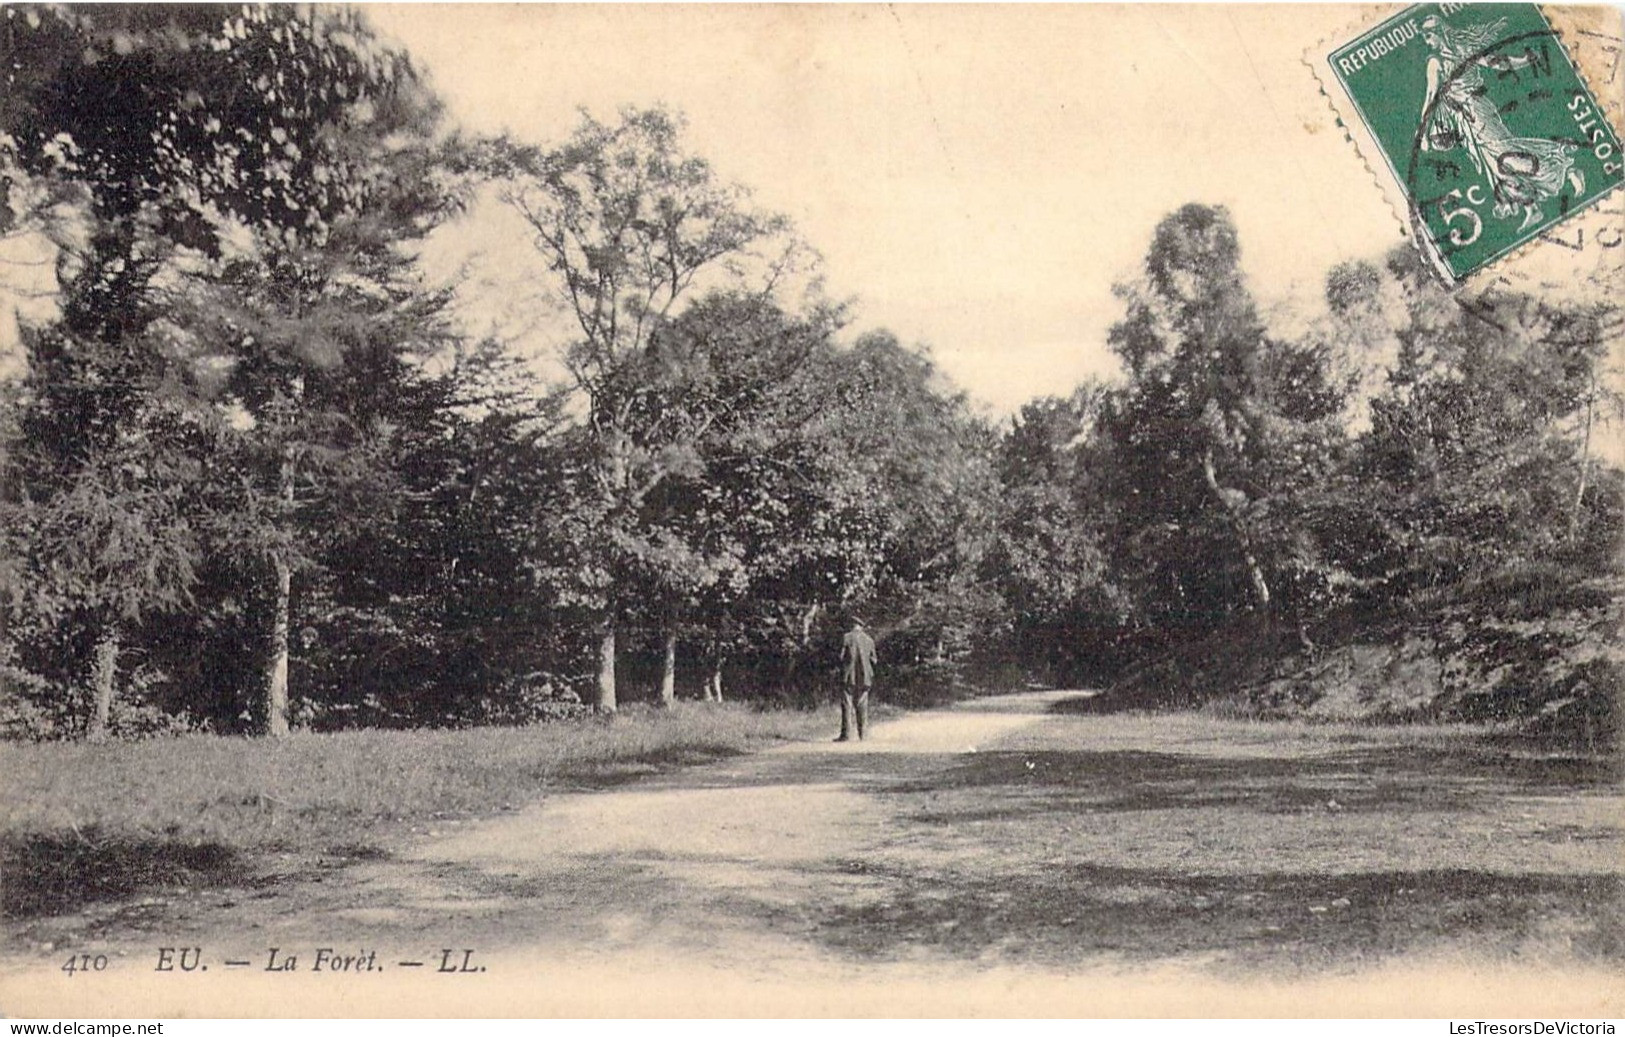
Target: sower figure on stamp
(858,653)
(1523,172)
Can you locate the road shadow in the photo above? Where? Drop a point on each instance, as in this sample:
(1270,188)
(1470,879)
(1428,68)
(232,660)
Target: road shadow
(1028,702)
(1361,777)
(1094,703)
(1290,923)
(1369,778)
(1293,922)
(972,867)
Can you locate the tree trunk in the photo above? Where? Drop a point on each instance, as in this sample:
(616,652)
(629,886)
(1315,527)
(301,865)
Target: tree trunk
(713,684)
(276,685)
(606,668)
(807,620)
(668,672)
(793,661)
(1255,572)
(1585,458)
(103,670)
(276,678)
(614,441)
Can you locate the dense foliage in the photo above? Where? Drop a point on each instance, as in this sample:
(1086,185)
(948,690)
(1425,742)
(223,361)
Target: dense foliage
(253,476)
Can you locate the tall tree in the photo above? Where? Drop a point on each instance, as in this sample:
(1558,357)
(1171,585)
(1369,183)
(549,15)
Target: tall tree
(631,225)
(743,392)
(1050,561)
(89,115)
(1218,428)
(1478,455)
(918,496)
(261,150)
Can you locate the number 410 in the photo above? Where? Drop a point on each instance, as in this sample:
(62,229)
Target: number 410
(85,963)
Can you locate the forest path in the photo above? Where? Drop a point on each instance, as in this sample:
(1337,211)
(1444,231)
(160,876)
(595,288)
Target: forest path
(1004,857)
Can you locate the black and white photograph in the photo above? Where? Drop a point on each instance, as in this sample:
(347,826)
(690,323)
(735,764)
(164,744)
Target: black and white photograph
(811,511)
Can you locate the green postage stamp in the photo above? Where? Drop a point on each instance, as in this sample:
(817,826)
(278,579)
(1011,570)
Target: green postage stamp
(1492,135)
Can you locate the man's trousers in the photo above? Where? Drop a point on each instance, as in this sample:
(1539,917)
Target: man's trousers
(854,709)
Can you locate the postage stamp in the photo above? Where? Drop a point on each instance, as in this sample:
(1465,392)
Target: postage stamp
(1491,134)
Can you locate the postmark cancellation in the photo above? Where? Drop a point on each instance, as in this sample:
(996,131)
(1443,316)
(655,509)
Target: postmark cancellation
(1492,129)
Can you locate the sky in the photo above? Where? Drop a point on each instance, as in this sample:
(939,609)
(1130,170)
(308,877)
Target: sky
(975,177)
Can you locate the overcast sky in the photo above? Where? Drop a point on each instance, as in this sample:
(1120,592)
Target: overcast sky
(977,177)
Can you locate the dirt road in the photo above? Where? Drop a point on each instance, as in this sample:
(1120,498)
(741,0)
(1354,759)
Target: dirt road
(1011,856)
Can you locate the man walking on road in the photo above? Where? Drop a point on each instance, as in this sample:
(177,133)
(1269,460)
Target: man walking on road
(858,653)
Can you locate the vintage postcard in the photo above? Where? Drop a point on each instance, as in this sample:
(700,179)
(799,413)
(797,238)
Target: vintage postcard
(812,511)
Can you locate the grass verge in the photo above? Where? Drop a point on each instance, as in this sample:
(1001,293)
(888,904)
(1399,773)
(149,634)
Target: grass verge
(1283,845)
(81,823)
